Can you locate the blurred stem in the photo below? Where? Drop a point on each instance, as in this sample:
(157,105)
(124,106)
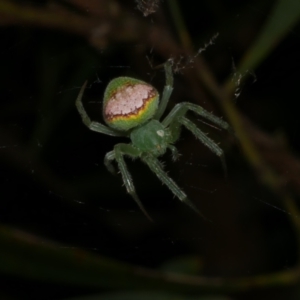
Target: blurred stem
(205,76)
(62,19)
(224,97)
(180,26)
(283,17)
(235,120)
(28,256)
(293,211)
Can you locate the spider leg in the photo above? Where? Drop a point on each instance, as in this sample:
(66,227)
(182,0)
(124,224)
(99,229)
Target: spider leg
(175,154)
(182,108)
(205,140)
(167,90)
(108,158)
(176,118)
(119,151)
(95,126)
(156,168)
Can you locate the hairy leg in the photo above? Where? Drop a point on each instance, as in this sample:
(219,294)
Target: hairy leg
(204,140)
(176,118)
(156,168)
(108,158)
(94,126)
(182,108)
(167,90)
(118,154)
(175,154)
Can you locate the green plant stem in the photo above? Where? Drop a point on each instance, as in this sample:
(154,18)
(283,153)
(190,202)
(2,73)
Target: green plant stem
(180,26)
(225,94)
(30,257)
(39,16)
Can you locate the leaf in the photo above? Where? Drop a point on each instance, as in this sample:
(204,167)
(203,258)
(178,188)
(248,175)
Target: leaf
(191,265)
(282,19)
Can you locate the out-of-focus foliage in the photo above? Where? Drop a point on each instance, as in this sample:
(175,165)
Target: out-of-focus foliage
(68,229)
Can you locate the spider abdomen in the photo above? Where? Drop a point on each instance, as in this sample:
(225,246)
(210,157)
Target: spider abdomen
(129,102)
(152,137)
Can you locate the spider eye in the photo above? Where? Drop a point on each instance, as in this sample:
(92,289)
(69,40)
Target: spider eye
(129,102)
(161,133)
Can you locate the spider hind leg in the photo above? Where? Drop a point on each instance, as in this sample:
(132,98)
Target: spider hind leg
(176,118)
(155,167)
(205,140)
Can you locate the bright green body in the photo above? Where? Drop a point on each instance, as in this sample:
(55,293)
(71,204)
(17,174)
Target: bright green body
(152,138)
(131,109)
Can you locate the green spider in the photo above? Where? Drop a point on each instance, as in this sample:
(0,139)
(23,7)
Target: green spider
(131,108)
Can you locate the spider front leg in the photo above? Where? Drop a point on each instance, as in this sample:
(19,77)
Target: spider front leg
(176,118)
(182,108)
(156,168)
(95,126)
(119,151)
(167,90)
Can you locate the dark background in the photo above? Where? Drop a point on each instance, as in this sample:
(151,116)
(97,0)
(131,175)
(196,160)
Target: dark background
(55,187)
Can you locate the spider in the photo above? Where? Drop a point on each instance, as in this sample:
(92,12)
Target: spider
(131,108)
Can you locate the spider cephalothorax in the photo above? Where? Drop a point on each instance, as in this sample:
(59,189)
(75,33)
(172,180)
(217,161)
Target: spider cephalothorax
(131,108)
